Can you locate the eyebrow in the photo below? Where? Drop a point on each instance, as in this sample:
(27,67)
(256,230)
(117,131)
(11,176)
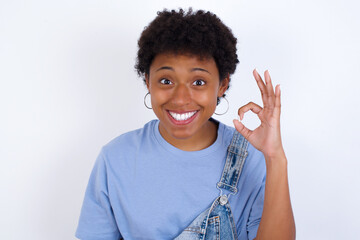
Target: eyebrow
(192,70)
(200,69)
(165,68)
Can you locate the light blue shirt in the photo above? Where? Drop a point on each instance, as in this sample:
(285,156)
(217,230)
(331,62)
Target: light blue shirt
(142,187)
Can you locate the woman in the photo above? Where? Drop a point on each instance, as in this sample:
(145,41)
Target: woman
(186,175)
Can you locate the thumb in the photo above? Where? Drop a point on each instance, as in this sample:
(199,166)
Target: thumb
(242,129)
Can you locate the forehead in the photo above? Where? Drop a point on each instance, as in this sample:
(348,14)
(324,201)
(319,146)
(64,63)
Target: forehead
(176,61)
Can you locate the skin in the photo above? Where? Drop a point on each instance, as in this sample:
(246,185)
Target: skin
(171,85)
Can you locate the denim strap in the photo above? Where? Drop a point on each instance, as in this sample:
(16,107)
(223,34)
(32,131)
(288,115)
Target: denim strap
(236,155)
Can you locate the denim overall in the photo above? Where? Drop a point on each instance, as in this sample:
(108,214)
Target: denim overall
(217,221)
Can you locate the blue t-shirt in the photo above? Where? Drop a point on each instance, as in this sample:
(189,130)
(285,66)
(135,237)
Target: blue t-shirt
(142,187)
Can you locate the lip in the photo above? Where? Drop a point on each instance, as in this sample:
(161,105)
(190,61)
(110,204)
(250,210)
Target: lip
(184,122)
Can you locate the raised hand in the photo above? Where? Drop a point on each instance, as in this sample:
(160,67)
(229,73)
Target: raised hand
(266,137)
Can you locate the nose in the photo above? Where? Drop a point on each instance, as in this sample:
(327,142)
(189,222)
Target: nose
(181,95)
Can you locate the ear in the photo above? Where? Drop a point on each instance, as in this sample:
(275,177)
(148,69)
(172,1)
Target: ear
(147,81)
(224,85)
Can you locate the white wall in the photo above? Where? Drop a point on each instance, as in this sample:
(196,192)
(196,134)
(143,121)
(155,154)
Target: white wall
(68,86)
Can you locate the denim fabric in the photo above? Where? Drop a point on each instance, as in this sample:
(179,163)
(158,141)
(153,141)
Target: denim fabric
(217,222)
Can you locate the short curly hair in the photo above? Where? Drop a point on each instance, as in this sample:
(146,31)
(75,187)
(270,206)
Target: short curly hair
(197,33)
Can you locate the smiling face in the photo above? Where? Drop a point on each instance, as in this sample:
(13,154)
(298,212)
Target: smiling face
(184,91)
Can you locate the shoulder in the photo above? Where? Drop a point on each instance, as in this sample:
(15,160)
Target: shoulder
(130,141)
(254,170)
(225,132)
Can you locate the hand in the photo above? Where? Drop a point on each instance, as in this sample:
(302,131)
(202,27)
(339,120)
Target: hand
(266,137)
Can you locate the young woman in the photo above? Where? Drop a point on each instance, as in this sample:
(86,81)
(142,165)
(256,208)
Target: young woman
(186,175)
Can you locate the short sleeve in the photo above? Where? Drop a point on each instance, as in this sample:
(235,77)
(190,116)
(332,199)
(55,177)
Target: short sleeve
(97,221)
(256,212)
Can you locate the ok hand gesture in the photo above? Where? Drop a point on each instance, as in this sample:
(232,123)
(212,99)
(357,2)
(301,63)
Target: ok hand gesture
(266,137)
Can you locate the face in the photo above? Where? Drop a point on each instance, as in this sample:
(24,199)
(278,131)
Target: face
(184,91)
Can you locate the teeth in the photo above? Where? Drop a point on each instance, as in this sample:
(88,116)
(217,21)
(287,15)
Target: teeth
(183,116)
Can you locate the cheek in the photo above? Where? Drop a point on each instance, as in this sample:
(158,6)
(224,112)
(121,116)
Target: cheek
(158,98)
(208,98)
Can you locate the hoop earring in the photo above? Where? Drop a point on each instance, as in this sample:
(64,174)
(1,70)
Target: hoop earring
(145,101)
(227,109)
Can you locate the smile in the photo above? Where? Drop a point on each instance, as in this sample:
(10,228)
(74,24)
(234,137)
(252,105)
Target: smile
(182,116)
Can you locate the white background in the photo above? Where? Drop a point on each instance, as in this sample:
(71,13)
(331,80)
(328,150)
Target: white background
(68,86)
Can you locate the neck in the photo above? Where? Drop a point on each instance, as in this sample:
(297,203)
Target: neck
(203,138)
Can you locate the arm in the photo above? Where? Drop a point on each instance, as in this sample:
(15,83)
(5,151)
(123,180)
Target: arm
(97,220)
(277,220)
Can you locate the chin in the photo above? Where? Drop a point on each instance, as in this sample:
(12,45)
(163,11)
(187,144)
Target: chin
(180,134)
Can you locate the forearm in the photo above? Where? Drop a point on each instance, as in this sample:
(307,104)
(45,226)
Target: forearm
(277,220)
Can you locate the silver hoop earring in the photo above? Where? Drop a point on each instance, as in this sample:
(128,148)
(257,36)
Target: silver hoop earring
(145,101)
(227,109)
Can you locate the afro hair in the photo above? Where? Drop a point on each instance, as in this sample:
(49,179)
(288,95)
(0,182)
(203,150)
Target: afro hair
(197,33)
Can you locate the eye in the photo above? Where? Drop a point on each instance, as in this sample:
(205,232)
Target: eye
(199,82)
(165,81)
